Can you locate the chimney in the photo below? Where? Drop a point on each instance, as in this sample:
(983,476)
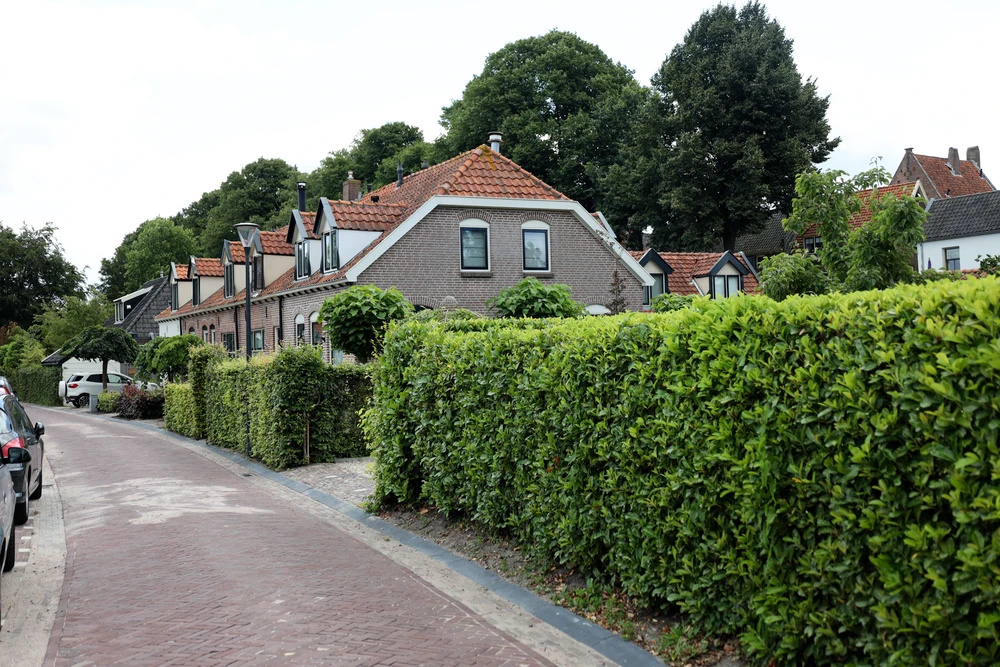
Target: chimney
(496,138)
(425,164)
(368,188)
(399,174)
(302,195)
(647,240)
(956,168)
(972,155)
(352,187)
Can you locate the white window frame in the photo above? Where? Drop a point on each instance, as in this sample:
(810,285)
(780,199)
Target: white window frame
(119,312)
(256,334)
(300,321)
(303,270)
(958,259)
(726,284)
(334,260)
(211,333)
(648,292)
(537,226)
(475,224)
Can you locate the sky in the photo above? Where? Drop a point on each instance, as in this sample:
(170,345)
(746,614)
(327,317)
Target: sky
(112,113)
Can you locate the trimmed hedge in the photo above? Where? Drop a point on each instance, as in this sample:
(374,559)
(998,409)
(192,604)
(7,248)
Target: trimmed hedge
(179,410)
(820,475)
(199,361)
(108,401)
(301,410)
(37,384)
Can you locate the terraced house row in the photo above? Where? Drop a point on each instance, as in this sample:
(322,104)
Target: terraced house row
(465,229)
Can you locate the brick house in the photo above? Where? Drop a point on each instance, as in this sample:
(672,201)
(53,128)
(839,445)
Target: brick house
(717,275)
(466,229)
(944,177)
(959,231)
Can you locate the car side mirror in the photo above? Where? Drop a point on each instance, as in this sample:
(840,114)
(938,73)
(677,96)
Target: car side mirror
(17,455)
(39,430)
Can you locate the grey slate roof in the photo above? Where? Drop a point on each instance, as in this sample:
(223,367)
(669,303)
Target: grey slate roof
(139,322)
(54,359)
(969,215)
(773,239)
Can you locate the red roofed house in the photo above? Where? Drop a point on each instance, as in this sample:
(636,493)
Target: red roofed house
(713,274)
(465,228)
(944,177)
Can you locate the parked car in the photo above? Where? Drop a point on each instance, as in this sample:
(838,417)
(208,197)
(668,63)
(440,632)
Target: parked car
(79,388)
(8,544)
(17,432)
(5,386)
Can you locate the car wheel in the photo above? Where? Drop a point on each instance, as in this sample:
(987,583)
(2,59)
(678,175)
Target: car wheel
(11,554)
(21,512)
(83,400)
(38,492)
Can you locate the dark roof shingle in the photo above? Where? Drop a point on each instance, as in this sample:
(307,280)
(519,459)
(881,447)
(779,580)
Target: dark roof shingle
(970,215)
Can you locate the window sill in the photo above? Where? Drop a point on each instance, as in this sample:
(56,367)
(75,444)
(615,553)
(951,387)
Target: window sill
(538,274)
(476,273)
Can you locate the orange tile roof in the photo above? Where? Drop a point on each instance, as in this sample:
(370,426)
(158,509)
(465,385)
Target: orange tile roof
(865,215)
(236,252)
(208,266)
(969,183)
(182,271)
(687,265)
(365,216)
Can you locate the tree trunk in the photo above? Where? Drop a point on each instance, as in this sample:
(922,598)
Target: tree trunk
(104,376)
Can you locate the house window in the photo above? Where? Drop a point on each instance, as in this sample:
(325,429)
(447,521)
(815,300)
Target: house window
(257,340)
(211,334)
(229,342)
(331,260)
(300,329)
(277,337)
(813,243)
(119,311)
(258,274)
(317,329)
(535,246)
(302,267)
(475,246)
(196,291)
(336,357)
(951,260)
(174,297)
(191,330)
(204,333)
(656,289)
(230,280)
(725,286)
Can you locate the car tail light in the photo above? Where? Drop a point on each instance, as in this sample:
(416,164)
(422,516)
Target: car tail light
(72,385)
(16,442)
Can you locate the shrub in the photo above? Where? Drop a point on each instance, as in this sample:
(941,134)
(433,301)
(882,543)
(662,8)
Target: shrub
(178,410)
(443,315)
(165,357)
(989,264)
(664,303)
(818,475)
(135,403)
(37,384)
(200,359)
(798,273)
(533,298)
(108,402)
(356,318)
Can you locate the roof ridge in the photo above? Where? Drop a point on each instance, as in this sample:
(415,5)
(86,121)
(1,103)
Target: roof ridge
(473,156)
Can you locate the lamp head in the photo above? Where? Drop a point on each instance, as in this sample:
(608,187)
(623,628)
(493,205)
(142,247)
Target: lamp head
(246,230)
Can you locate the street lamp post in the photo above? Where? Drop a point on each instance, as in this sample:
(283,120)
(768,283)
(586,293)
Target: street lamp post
(247,232)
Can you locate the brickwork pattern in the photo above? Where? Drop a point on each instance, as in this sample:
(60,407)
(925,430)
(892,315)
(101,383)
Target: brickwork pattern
(175,560)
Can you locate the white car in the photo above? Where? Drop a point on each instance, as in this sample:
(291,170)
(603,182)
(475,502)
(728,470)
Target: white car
(79,388)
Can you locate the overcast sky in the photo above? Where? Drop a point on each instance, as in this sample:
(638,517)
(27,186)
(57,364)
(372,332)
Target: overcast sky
(115,112)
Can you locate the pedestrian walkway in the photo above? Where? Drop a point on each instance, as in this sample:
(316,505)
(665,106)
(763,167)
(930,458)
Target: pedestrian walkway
(175,560)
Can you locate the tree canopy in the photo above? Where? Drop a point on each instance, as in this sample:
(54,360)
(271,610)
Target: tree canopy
(730,125)
(34,273)
(561,104)
(355,318)
(102,344)
(158,243)
(167,356)
(56,325)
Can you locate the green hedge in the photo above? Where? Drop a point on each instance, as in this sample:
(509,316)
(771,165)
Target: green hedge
(108,401)
(37,384)
(820,475)
(200,359)
(179,410)
(298,405)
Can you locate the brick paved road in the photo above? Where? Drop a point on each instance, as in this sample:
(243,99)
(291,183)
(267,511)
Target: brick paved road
(174,560)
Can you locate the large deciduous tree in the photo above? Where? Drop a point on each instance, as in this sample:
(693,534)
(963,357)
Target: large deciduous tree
(158,243)
(56,325)
(379,143)
(33,273)
(563,107)
(731,125)
(102,344)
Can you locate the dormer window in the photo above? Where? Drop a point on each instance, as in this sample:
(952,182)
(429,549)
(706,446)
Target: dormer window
(174,297)
(331,261)
(726,286)
(258,273)
(229,281)
(119,311)
(302,265)
(196,291)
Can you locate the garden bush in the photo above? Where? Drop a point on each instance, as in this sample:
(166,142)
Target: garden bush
(664,303)
(37,384)
(355,318)
(200,359)
(301,410)
(178,410)
(533,298)
(819,475)
(108,401)
(136,403)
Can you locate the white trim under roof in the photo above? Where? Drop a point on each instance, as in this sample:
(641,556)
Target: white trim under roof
(493,202)
(132,295)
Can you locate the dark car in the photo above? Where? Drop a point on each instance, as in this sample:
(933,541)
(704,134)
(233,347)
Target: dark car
(17,431)
(8,545)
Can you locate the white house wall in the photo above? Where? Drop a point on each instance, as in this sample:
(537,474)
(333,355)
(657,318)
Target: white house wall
(170,328)
(351,241)
(969,248)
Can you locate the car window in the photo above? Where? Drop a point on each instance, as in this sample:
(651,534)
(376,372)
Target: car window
(17,415)
(74,378)
(6,425)
(114,379)
(96,377)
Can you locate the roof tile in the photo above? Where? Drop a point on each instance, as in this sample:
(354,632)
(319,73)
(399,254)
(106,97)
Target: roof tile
(947,183)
